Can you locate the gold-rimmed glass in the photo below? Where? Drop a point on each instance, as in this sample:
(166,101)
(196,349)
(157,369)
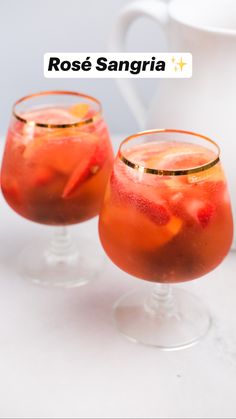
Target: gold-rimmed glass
(166,218)
(56,163)
(75,97)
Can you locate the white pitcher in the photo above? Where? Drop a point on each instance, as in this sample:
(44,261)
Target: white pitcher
(206,103)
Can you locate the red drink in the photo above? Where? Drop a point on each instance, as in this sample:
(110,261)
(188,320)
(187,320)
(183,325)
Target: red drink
(166,228)
(56,163)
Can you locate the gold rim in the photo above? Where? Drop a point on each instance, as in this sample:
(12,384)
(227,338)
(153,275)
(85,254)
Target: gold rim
(58,92)
(161,172)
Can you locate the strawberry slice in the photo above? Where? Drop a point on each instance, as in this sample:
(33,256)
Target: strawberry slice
(192,209)
(178,203)
(201,211)
(86,168)
(155,211)
(205,214)
(79,175)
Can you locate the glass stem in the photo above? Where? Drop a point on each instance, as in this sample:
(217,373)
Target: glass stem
(161,302)
(61,249)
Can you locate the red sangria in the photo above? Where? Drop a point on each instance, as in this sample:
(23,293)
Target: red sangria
(166,218)
(56,163)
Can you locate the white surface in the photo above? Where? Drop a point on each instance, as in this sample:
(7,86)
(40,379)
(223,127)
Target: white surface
(60,355)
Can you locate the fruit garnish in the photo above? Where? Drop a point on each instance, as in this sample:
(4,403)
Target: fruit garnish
(89,166)
(205,214)
(192,209)
(79,110)
(214,174)
(34,136)
(176,203)
(200,211)
(79,175)
(139,233)
(173,183)
(174,225)
(175,156)
(155,211)
(45,136)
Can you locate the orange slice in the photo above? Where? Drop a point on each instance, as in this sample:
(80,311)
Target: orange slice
(34,137)
(174,226)
(79,110)
(214,174)
(131,230)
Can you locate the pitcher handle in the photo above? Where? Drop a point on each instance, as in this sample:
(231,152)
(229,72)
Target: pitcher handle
(155,10)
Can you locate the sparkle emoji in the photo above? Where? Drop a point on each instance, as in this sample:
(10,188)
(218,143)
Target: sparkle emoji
(178,65)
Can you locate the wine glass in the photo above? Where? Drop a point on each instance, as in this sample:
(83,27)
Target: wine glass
(55,166)
(166,218)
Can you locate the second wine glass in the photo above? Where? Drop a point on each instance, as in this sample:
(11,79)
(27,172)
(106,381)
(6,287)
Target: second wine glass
(166,218)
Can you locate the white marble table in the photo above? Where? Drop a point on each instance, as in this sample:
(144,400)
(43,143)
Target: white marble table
(60,355)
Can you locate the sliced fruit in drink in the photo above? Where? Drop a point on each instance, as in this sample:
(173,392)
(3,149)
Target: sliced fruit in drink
(92,163)
(191,207)
(174,226)
(214,174)
(176,204)
(139,233)
(205,214)
(79,110)
(35,136)
(155,211)
(79,175)
(176,157)
(61,155)
(200,211)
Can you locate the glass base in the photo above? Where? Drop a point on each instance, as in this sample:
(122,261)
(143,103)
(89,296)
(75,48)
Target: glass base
(64,263)
(166,319)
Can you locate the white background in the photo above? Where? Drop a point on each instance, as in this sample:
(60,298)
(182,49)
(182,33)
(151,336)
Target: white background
(29,28)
